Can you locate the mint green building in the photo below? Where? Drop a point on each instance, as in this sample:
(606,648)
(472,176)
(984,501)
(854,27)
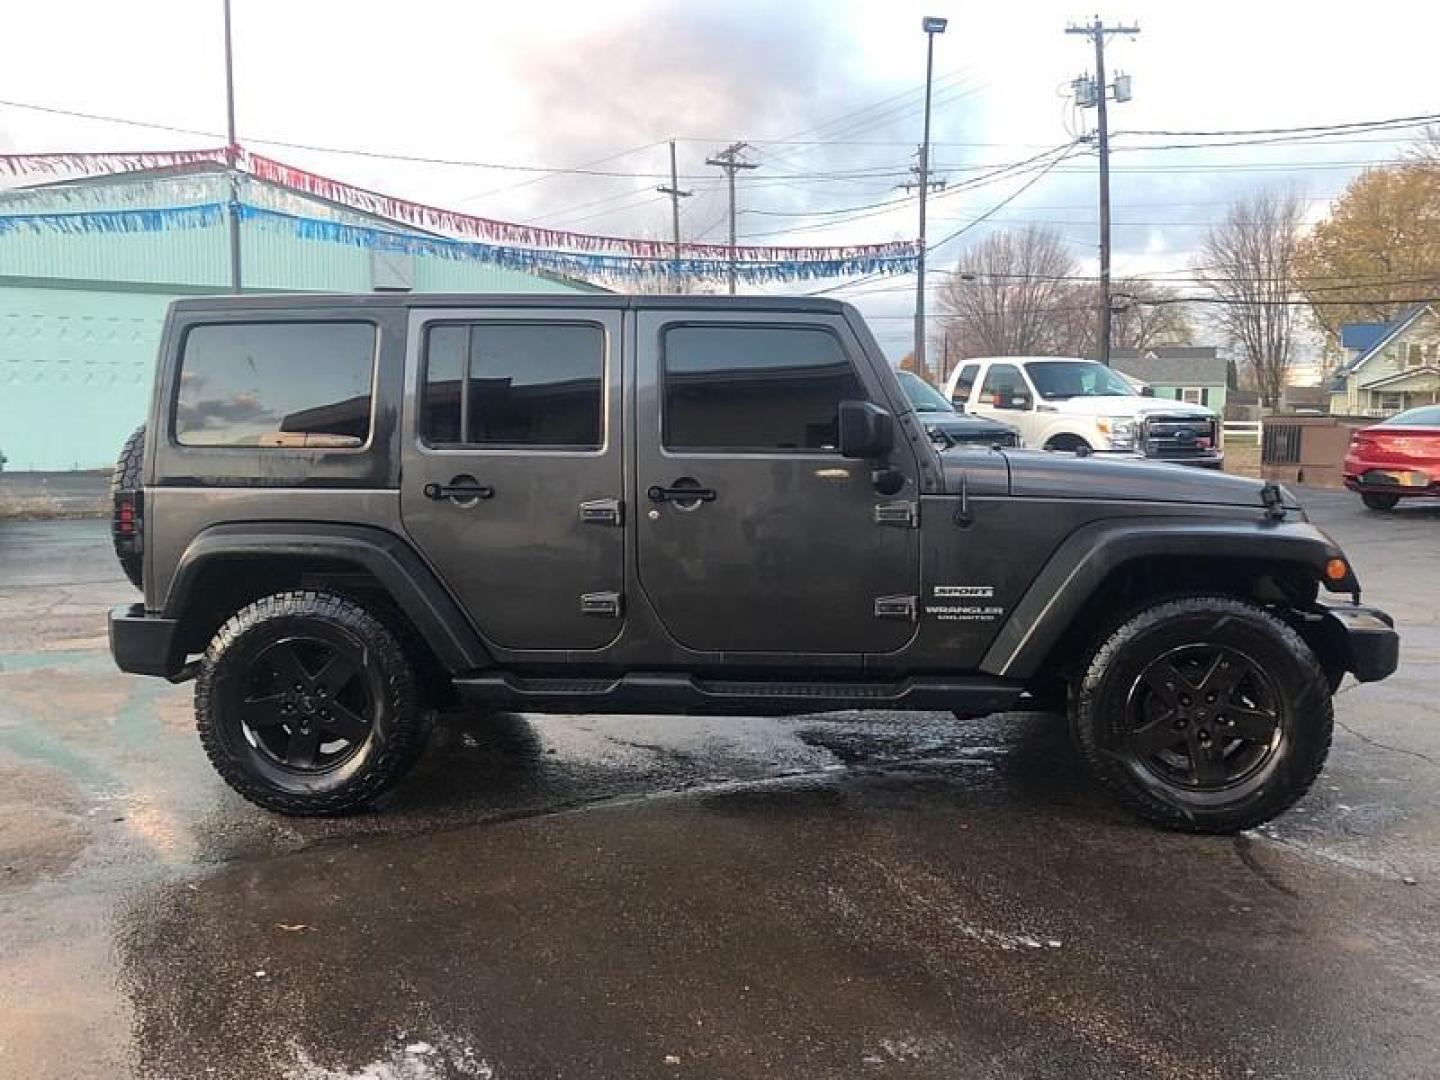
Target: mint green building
(81,311)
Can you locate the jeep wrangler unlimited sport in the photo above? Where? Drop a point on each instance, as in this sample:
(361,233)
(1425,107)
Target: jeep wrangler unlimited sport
(348,512)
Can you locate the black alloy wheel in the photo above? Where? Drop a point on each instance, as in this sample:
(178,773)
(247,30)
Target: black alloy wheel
(306,703)
(1204,716)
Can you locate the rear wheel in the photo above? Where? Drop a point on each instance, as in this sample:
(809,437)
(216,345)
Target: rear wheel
(1205,714)
(1377,500)
(306,704)
(126,478)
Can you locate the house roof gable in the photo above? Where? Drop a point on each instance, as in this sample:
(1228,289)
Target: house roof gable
(1396,328)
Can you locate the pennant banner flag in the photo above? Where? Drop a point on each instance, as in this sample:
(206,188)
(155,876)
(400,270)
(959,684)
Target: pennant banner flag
(588,265)
(452,221)
(468,226)
(106,163)
(117,221)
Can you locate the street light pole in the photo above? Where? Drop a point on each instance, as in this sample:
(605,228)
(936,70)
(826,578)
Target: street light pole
(232,153)
(932,25)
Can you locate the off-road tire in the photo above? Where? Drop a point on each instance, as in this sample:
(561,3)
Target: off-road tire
(1379,500)
(1100,722)
(126,477)
(398,729)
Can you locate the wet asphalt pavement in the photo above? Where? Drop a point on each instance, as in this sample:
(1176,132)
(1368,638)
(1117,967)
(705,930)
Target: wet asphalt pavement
(850,895)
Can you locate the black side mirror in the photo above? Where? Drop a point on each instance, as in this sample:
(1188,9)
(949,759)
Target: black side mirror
(866,430)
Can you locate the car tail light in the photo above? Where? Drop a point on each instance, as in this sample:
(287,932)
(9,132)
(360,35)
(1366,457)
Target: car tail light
(127,517)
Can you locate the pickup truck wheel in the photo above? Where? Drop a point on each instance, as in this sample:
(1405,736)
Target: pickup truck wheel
(1204,714)
(306,704)
(1378,500)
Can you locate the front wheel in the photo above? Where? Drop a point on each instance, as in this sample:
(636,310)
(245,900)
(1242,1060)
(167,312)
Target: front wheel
(306,704)
(1377,500)
(1204,714)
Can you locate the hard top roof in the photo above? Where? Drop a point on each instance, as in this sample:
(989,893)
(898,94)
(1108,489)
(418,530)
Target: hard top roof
(306,301)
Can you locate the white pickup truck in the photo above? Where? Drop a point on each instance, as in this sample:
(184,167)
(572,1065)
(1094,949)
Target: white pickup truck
(1066,403)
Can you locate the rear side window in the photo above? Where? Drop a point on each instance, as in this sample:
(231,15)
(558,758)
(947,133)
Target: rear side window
(757,389)
(514,385)
(278,384)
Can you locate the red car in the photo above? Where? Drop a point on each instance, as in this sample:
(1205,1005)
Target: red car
(1398,458)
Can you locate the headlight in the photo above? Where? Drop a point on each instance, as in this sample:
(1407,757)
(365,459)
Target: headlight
(1120,429)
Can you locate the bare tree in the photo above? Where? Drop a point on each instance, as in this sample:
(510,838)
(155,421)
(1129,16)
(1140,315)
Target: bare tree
(1021,294)
(1250,269)
(1012,294)
(1147,315)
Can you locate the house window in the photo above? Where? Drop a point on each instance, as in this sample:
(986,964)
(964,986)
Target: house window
(1414,355)
(1193,395)
(1390,402)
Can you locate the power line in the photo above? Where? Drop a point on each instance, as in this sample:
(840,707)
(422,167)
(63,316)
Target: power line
(1417,118)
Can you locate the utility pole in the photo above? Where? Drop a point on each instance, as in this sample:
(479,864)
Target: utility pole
(1095,92)
(932,25)
(232,154)
(675,196)
(728,159)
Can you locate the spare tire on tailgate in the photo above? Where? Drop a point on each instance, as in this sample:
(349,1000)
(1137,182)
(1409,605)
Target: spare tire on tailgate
(125,507)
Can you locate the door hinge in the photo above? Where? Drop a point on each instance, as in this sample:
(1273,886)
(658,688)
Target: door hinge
(607,605)
(904,514)
(897,607)
(603,512)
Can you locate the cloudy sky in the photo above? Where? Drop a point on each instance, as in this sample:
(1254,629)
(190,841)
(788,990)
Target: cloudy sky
(827,92)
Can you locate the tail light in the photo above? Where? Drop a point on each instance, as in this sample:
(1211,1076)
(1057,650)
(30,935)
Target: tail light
(127,520)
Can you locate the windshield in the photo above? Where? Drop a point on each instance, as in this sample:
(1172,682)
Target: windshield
(1055,380)
(1426,416)
(922,395)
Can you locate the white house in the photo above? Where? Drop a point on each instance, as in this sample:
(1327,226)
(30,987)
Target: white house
(1389,367)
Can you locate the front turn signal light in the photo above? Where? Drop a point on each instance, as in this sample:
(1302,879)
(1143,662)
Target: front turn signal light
(1337,569)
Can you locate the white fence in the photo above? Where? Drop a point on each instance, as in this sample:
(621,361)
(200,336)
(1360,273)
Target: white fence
(1244,431)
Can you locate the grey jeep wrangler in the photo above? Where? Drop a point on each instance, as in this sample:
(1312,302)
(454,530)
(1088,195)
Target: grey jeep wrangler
(349,512)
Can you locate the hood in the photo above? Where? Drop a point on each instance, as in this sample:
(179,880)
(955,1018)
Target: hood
(1131,405)
(967,425)
(1045,475)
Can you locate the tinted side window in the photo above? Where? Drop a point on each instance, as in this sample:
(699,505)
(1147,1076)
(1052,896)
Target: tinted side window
(514,384)
(276,384)
(1005,388)
(965,382)
(747,388)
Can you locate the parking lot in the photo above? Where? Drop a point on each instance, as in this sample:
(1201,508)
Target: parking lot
(834,896)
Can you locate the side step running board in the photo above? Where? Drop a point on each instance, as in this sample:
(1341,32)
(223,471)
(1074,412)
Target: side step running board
(661,692)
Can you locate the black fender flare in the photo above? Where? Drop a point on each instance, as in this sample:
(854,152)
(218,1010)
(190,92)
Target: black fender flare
(1091,553)
(410,582)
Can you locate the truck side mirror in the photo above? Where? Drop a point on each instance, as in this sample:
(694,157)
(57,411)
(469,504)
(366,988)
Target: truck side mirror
(866,430)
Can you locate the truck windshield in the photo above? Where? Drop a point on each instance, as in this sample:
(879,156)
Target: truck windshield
(1058,379)
(922,395)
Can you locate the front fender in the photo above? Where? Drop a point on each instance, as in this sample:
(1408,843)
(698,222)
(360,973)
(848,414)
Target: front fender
(1058,595)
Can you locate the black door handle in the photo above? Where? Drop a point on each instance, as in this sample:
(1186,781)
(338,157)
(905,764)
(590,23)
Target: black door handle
(680,494)
(457,491)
